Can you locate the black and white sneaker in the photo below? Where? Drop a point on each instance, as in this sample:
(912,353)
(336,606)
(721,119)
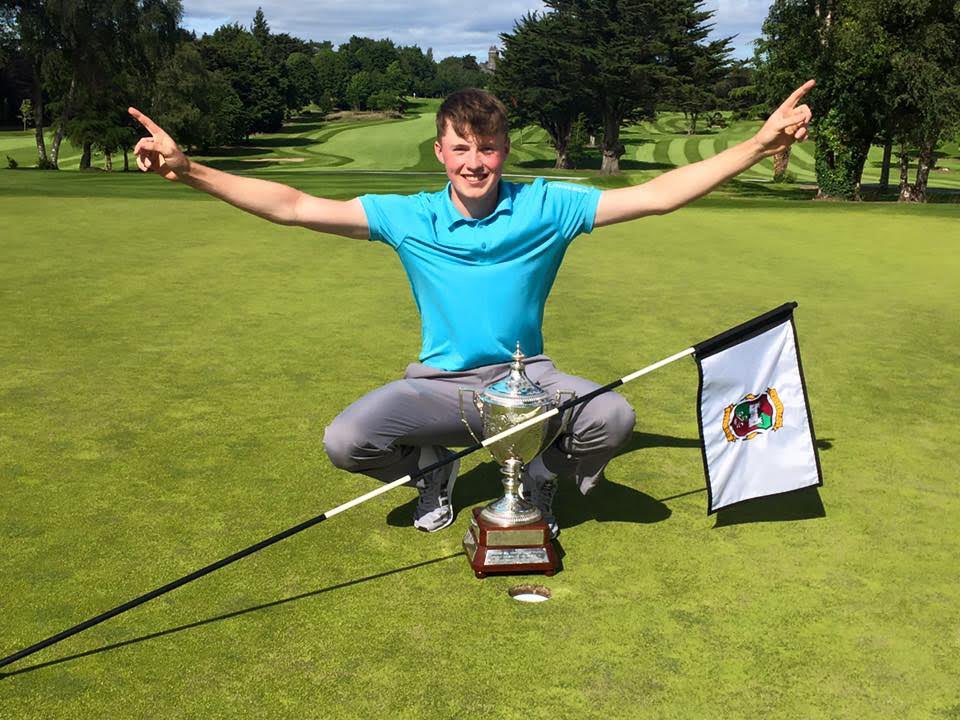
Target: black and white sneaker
(435,507)
(539,486)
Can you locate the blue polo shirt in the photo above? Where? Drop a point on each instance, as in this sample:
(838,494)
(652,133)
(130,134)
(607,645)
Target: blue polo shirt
(481,284)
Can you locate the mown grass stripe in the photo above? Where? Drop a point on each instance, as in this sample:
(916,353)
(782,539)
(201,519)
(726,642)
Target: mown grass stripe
(675,152)
(691,150)
(661,153)
(706,148)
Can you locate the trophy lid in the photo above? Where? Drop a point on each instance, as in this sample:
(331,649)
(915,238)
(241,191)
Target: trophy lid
(516,389)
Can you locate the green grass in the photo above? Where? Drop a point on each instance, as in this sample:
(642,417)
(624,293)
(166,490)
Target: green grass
(167,367)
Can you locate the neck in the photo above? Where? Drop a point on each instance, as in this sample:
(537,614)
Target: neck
(476,208)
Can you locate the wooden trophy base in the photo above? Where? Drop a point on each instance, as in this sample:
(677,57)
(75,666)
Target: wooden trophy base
(509,550)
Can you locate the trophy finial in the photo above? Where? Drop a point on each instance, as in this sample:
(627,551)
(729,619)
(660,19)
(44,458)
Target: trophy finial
(518,358)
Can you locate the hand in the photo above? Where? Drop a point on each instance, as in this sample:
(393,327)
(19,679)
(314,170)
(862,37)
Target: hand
(788,123)
(158,152)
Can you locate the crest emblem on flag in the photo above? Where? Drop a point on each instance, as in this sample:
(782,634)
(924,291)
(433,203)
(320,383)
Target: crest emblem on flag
(753,415)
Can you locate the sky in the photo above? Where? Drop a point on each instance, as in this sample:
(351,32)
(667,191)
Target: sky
(439,24)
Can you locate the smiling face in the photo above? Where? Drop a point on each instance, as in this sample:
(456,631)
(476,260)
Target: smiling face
(474,166)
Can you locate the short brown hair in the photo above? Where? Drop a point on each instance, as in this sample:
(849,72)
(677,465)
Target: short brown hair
(472,112)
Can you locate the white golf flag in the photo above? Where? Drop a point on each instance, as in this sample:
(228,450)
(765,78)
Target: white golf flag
(755,422)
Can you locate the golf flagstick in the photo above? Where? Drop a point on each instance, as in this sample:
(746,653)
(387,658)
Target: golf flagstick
(335,511)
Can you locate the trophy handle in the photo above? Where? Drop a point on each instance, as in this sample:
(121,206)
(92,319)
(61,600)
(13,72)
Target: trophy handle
(463,415)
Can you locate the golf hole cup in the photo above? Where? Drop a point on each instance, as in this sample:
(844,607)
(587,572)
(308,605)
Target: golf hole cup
(509,535)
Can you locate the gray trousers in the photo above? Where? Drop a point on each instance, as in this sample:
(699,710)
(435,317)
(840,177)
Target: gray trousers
(381,434)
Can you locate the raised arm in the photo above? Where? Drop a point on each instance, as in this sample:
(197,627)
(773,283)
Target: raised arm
(667,192)
(269,200)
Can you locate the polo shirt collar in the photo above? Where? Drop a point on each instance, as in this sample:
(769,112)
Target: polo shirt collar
(452,217)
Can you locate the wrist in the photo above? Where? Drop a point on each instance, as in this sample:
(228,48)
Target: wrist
(183,167)
(758,150)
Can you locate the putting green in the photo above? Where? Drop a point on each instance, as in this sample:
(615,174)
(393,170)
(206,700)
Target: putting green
(167,367)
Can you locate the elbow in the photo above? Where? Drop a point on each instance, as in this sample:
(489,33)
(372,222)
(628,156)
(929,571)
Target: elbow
(293,215)
(662,210)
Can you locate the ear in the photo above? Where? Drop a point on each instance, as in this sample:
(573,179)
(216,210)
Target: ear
(506,150)
(438,151)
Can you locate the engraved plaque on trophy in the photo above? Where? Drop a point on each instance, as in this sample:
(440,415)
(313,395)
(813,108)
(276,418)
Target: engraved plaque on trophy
(509,535)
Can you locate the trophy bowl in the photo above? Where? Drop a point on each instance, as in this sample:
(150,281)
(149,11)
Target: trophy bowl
(502,405)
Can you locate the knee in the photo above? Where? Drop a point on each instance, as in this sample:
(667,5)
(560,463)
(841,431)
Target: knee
(603,427)
(619,420)
(342,443)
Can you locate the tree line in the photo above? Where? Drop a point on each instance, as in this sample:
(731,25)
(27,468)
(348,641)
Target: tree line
(73,67)
(888,73)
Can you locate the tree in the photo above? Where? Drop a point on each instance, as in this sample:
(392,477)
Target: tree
(921,42)
(260,29)
(697,65)
(238,56)
(456,73)
(737,90)
(197,106)
(302,84)
(359,88)
(540,85)
(26,113)
(785,55)
(363,53)
(621,46)
(419,68)
(825,39)
(280,46)
(390,89)
(37,41)
(849,103)
(332,78)
(14,68)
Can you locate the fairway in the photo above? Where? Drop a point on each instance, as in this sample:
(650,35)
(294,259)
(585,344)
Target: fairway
(168,365)
(378,144)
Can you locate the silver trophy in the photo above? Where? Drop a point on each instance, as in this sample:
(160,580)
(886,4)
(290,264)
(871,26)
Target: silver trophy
(508,402)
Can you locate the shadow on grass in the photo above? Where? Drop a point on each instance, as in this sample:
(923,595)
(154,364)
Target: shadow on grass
(241,166)
(777,191)
(283,142)
(482,484)
(258,146)
(613,502)
(229,151)
(304,127)
(643,441)
(227,616)
(609,502)
(593,163)
(803,504)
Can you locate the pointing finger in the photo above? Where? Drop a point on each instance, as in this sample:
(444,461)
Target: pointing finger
(149,124)
(798,93)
